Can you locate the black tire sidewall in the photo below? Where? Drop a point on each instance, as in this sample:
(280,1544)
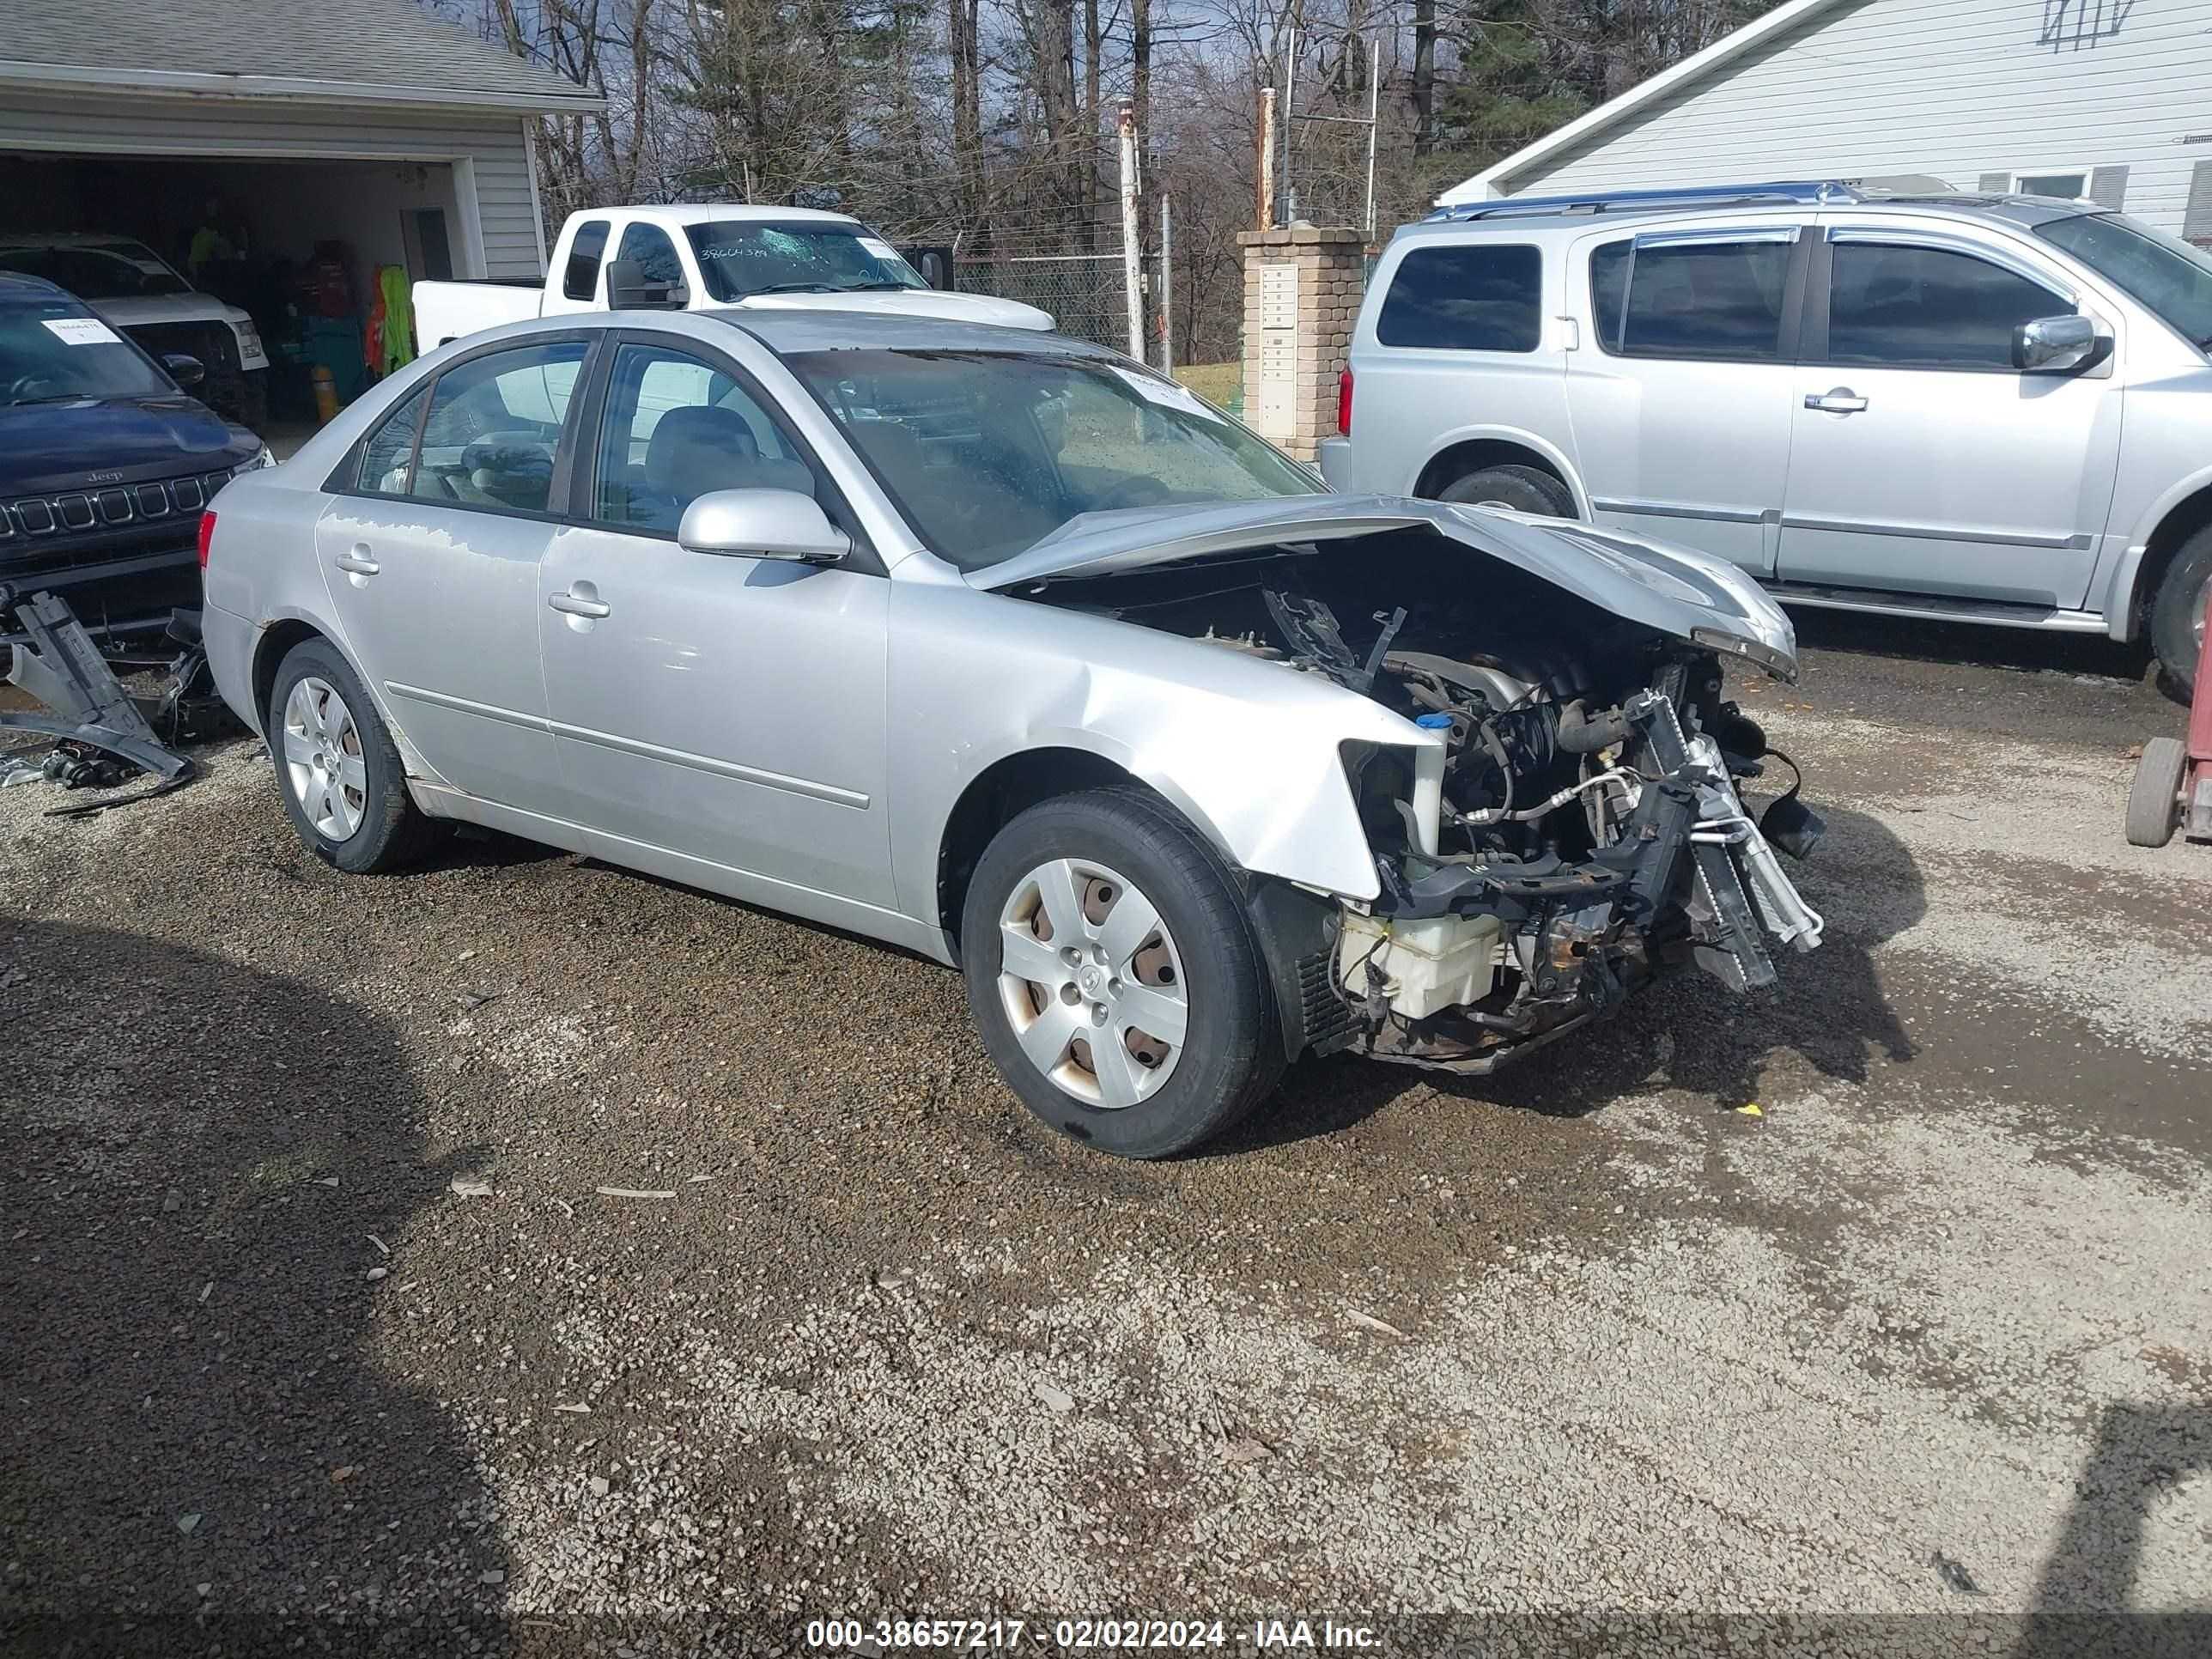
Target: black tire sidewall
(1523,488)
(388,813)
(1231,1054)
(2176,606)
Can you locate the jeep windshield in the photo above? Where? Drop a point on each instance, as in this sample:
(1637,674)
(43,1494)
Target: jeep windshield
(97,271)
(2165,273)
(739,258)
(55,351)
(988,453)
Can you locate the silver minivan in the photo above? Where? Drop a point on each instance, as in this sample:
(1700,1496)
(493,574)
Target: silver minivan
(1967,408)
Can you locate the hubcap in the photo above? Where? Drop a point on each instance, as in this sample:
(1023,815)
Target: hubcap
(323,759)
(1091,982)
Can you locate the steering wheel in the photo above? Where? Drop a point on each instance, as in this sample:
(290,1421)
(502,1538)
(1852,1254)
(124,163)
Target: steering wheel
(24,387)
(1135,490)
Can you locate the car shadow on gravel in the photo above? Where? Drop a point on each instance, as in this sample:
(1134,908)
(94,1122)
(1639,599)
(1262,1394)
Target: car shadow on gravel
(1689,1032)
(2024,649)
(199,1447)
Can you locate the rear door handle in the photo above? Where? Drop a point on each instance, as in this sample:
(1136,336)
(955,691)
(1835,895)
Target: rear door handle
(1841,401)
(574,606)
(357,561)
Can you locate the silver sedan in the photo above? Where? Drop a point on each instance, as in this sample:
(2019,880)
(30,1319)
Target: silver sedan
(999,647)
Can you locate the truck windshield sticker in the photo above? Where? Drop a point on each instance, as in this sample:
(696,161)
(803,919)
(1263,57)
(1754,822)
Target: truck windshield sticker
(82,330)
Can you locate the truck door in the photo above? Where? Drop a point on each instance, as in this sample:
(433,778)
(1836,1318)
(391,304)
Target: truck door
(573,284)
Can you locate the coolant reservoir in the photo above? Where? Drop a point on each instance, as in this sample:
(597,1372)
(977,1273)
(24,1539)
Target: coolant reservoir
(1427,966)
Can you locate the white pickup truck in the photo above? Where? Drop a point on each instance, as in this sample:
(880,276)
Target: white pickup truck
(706,258)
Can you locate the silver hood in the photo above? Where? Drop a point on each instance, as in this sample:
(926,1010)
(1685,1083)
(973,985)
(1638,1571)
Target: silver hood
(1673,589)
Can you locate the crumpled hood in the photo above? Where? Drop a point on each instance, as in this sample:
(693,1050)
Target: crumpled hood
(1674,590)
(911,302)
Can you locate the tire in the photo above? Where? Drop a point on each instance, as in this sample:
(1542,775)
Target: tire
(363,821)
(1106,848)
(2178,608)
(2154,801)
(1523,488)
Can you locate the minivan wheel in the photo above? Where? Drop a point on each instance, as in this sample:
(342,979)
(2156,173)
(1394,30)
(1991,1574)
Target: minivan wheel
(1523,488)
(1113,973)
(2177,610)
(343,784)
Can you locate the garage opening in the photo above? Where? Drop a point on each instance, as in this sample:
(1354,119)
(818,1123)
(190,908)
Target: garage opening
(262,269)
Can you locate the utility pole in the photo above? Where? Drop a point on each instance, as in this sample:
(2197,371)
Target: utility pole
(1374,124)
(1263,169)
(1167,284)
(1132,272)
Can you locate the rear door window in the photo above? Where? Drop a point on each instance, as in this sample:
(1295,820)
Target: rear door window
(388,457)
(581,279)
(1901,307)
(1719,298)
(494,429)
(1475,297)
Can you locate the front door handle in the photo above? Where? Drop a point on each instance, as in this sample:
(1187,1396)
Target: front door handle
(357,563)
(575,604)
(1841,401)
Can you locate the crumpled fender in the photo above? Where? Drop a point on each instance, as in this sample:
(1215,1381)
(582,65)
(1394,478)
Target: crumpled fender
(1249,752)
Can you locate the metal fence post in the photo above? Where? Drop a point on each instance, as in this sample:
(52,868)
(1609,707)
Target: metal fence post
(1131,253)
(1167,284)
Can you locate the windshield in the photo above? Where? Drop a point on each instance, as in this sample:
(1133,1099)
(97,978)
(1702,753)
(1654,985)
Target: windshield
(103,270)
(988,453)
(2164,272)
(739,257)
(54,350)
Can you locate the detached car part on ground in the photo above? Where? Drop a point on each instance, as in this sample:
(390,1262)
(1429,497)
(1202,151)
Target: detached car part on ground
(1004,649)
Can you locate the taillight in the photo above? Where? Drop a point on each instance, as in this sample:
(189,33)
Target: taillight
(207,536)
(1344,403)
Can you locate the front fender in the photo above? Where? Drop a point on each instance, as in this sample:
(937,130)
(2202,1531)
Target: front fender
(1249,751)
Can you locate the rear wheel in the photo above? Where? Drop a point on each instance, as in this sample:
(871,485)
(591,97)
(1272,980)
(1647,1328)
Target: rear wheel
(2155,802)
(2177,610)
(344,783)
(1112,972)
(1522,488)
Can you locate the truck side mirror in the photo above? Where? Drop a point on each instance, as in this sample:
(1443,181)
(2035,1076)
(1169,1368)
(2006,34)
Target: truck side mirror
(2054,345)
(630,290)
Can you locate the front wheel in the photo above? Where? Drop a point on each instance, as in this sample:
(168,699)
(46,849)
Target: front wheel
(2177,612)
(1113,975)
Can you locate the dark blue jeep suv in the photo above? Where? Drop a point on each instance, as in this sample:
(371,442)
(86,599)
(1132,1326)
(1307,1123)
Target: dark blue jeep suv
(104,463)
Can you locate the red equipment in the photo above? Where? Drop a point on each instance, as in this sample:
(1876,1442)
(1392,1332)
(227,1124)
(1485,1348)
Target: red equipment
(2173,784)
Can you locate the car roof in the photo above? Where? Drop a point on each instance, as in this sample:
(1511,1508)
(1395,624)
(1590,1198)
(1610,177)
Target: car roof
(1632,211)
(18,286)
(20,239)
(813,329)
(725,213)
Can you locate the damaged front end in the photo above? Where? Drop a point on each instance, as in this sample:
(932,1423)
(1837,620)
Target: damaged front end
(1574,855)
(1565,823)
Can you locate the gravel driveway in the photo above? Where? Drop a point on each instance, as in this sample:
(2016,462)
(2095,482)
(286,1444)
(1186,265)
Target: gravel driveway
(318,1314)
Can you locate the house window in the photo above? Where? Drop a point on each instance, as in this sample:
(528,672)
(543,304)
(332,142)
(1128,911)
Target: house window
(2066,186)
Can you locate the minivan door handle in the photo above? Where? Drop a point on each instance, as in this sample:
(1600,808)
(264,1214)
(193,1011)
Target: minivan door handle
(1841,401)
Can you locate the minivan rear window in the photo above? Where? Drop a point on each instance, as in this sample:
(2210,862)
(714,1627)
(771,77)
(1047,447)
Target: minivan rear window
(1475,297)
(1712,299)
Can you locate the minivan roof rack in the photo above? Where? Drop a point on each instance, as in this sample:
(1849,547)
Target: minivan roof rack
(1796,193)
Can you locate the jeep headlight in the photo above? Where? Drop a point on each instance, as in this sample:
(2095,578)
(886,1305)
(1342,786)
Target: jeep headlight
(266,458)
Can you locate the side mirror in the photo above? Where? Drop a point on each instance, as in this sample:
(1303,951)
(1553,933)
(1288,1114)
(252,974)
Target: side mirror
(628,289)
(186,371)
(2052,345)
(762,524)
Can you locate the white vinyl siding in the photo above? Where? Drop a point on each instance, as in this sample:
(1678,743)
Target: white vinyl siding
(273,128)
(1967,90)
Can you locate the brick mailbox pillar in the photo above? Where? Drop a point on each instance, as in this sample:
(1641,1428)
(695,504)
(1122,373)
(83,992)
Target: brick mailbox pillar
(1302,288)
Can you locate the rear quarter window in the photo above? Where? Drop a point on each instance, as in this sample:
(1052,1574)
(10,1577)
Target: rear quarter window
(1469,298)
